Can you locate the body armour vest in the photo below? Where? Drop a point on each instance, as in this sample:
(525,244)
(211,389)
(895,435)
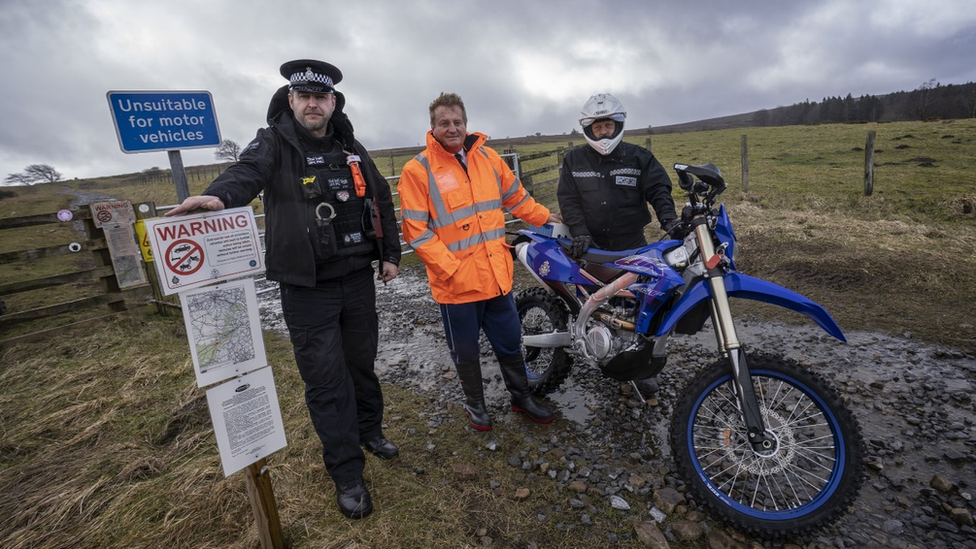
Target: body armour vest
(343,223)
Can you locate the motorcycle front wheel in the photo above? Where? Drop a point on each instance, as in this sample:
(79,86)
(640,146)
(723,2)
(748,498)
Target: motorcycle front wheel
(541,313)
(810,476)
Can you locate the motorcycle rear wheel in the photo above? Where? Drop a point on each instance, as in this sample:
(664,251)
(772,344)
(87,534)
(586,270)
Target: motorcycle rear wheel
(540,313)
(811,477)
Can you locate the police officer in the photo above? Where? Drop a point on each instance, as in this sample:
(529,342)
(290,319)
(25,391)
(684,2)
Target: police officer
(605,187)
(329,215)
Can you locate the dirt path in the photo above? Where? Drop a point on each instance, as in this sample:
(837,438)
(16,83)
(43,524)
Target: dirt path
(913,400)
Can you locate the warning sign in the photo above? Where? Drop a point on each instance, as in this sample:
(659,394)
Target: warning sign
(184,257)
(116,219)
(195,250)
(143,237)
(119,212)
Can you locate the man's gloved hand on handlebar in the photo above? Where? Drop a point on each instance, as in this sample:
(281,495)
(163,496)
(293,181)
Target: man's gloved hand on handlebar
(580,244)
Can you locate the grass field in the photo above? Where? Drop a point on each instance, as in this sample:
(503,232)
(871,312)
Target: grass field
(107,440)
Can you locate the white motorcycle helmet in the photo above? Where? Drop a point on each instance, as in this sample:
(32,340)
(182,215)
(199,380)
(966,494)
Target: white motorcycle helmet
(598,107)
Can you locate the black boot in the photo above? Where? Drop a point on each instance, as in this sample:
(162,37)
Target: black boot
(513,372)
(353,498)
(474,396)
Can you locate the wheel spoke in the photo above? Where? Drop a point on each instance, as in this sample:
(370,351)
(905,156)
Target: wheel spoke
(808,474)
(794,473)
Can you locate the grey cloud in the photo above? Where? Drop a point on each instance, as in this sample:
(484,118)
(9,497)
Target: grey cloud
(522,67)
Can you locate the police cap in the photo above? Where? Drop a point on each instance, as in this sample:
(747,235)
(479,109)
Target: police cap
(309,75)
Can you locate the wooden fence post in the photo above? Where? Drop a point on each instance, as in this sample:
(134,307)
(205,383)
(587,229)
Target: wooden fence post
(165,305)
(260,493)
(869,165)
(744,148)
(103,258)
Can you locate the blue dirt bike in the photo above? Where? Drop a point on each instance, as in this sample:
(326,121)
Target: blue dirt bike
(767,445)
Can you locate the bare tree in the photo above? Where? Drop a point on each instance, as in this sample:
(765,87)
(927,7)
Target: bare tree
(17,179)
(43,172)
(921,100)
(35,173)
(228,150)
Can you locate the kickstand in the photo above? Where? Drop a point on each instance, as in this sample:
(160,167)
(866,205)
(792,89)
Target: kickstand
(633,384)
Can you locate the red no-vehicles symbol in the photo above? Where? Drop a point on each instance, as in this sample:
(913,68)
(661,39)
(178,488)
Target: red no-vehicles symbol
(184,257)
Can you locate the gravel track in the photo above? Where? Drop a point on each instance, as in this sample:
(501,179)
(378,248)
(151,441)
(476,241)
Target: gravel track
(913,401)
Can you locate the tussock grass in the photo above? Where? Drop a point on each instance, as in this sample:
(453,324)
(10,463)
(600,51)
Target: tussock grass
(891,275)
(107,443)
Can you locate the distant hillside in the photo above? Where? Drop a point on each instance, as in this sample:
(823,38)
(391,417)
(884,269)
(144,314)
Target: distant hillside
(930,101)
(743,120)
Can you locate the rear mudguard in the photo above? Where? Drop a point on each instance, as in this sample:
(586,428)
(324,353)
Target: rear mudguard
(747,287)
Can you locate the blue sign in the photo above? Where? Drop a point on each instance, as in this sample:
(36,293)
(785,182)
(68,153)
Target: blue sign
(164,120)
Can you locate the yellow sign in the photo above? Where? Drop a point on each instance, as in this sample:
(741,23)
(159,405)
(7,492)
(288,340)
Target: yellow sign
(143,235)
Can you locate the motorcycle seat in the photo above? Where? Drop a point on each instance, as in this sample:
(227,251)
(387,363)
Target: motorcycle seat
(607,256)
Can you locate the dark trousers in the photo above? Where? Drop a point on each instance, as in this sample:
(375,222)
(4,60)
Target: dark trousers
(496,316)
(334,330)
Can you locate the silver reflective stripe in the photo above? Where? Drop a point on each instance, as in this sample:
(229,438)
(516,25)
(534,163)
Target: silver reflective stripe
(489,205)
(474,240)
(422,239)
(498,182)
(415,215)
(445,218)
(512,190)
(526,197)
(466,212)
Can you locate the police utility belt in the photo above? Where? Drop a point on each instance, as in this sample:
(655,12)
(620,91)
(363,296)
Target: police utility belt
(345,220)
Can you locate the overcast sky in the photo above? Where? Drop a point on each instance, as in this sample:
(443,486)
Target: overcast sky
(521,66)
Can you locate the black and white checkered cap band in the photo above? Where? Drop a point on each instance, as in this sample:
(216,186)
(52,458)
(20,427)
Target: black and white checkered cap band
(310,76)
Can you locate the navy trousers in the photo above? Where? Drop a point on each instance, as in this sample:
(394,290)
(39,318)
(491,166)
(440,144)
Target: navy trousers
(496,316)
(334,330)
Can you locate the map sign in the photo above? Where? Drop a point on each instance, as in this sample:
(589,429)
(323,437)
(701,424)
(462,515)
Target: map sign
(224,329)
(246,419)
(195,250)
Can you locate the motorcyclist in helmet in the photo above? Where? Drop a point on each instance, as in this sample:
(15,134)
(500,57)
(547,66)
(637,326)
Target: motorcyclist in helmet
(606,185)
(608,113)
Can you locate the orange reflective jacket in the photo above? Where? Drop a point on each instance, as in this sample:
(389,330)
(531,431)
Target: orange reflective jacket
(455,221)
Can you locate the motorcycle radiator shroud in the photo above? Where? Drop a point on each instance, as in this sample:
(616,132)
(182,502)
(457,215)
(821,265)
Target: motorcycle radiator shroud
(553,268)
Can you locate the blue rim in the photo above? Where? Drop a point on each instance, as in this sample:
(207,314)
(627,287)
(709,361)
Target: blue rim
(790,514)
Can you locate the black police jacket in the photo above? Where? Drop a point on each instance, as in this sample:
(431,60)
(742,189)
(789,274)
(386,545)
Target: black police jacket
(274,163)
(607,196)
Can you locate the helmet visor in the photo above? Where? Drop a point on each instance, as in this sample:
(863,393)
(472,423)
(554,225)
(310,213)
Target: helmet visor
(617,117)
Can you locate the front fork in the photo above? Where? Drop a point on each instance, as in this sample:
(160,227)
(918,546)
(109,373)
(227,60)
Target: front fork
(728,342)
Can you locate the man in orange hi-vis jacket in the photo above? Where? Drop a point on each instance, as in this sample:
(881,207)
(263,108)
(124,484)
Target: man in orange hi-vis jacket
(453,199)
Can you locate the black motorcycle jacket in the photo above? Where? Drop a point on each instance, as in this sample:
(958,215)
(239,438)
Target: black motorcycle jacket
(275,163)
(607,196)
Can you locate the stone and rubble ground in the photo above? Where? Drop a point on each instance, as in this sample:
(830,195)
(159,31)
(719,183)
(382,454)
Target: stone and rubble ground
(913,400)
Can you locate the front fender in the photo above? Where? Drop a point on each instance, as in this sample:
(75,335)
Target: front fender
(747,287)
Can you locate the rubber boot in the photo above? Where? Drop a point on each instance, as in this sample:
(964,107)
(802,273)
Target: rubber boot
(513,372)
(474,396)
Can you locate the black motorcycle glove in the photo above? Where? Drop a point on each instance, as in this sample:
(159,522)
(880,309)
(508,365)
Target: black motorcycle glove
(580,244)
(676,229)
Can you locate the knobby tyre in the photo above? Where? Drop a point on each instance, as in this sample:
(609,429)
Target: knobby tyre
(811,476)
(540,313)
